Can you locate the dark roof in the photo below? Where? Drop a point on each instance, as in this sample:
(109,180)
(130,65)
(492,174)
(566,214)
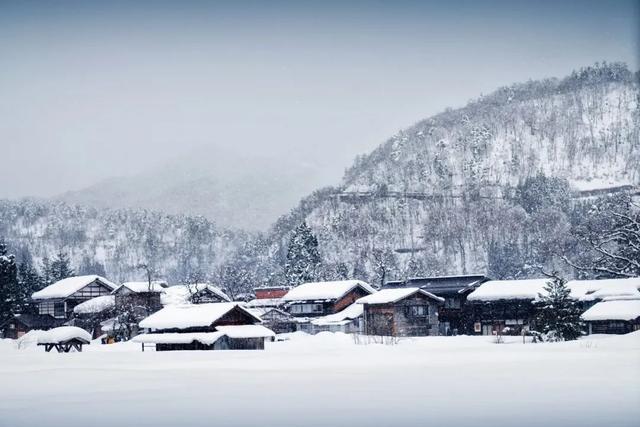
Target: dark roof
(443,285)
(37,321)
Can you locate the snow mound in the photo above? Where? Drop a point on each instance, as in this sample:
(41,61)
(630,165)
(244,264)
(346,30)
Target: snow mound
(62,334)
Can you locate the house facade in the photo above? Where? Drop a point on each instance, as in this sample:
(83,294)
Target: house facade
(59,299)
(401,312)
(19,324)
(613,316)
(454,290)
(324,298)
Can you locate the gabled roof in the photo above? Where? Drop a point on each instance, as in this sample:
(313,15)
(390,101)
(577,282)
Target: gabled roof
(69,286)
(191,315)
(181,294)
(323,291)
(441,284)
(141,287)
(613,310)
(390,296)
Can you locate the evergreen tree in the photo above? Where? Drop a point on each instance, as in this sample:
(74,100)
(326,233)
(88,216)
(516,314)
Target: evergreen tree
(303,258)
(60,268)
(558,313)
(8,283)
(29,281)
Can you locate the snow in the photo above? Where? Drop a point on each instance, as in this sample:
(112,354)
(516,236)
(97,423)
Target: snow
(342,317)
(189,316)
(180,294)
(68,286)
(613,310)
(494,290)
(206,338)
(387,296)
(324,290)
(264,302)
(328,379)
(584,290)
(246,331)
(62,334)
(597,184)
(137,287)
(95,305)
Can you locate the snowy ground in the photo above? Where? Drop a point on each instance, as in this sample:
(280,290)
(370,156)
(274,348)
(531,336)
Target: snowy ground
(329,380)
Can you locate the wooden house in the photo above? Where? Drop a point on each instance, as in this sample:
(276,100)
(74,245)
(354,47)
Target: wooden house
(508,306)
(277,320)
(324,298)
(401,312)
(454,290)
(19,324)
(214,326)
(140,294)
(195,293)
(616,316)
(59,299)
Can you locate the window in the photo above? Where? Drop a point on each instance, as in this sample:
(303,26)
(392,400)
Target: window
(452,303)
(418,311)
(58,309)
(306,308)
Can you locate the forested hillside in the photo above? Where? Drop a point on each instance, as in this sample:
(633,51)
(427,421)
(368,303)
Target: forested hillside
(492,187)
(114,242)
(499,177)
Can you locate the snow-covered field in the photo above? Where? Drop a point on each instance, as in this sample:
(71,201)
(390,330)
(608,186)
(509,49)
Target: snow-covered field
(328,379)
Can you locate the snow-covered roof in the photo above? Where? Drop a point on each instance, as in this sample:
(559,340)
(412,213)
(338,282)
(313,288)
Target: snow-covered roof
(246,331)
(206,338)
(190,315)
(265,302)
(67,287)
(353,311)
(613,310)
(584,290)
(62,334)
(325,290)
(388,296)
(589,290)
(95,305)
(139,287)
(181,294)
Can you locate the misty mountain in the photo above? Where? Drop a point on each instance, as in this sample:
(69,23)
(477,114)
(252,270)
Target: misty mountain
(234,191)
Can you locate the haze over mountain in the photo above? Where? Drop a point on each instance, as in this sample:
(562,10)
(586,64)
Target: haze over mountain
(233,189)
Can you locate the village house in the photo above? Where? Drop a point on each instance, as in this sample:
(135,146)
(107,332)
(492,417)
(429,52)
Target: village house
(195,293)
(504,306)
(19,324)
(90,314)
(324,298)
(268,297)
(213,326)
(59,299)
(508,306)
(613,316)
(401,312)
(454,290)
(140,294)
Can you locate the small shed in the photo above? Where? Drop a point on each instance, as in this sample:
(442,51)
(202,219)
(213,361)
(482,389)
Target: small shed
(349,321)
(401,312)
(215,326)
(64,339)
(616,316)
(20,324)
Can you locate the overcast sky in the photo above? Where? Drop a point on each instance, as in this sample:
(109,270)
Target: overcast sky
(93,90)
